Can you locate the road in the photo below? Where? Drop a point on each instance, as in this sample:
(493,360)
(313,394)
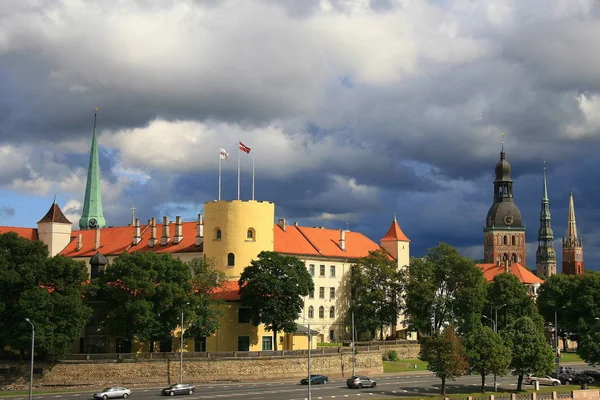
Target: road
(389,386)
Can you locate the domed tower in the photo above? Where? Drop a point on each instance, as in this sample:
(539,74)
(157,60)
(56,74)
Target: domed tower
(504,232)
(98,263)
(236,231)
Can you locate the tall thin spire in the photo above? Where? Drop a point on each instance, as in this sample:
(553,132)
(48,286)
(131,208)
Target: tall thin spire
(572,244)
(92,216)
(545,256)
(572,224)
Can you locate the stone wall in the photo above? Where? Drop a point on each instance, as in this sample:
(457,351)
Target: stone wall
(404,351)
(196,370)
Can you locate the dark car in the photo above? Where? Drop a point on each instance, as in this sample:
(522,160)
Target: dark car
(359,382)
(178,388)
(315,380)
(565,379)
(579,378)
(592,374)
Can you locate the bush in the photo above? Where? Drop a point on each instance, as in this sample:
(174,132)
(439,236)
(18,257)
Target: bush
(390,355)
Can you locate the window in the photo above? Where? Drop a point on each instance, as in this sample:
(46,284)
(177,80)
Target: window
(332,271)
(250,234)
(230,260)
(321,292)
(332,312)
(331,335)
(217,234)
(322,270)
(321,312)
(332,293)
(200,344)
(311,312)
(243,343)
(311,269)
(514,257)
(505,239)
(513,240)
(244,315)
(311,294)
(267,343)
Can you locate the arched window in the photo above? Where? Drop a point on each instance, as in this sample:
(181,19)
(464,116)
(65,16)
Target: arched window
(332,312)
(311,312)
(250,234)
(514,240)
(217,233)
(514,258)
(321,312)
(230,260)
(505,239)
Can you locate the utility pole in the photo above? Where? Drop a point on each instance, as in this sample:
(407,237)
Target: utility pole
(353,345)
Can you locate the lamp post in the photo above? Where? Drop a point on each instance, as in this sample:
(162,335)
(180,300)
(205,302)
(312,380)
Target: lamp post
(32,351)
(496,308)
(556,339)
(492,321)
(353,345)
(309,345)
(181,351)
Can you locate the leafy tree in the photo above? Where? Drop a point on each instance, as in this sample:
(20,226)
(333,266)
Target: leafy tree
(144,295)
(487,353)
(565,290)
(273,287)
(588,348)
(530,351)
(509,298)
(444,288)
(48,291)
(377,285)
(445,356)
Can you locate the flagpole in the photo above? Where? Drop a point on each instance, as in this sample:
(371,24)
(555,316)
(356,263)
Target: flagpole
(238,153)
(220,175)
(252,176)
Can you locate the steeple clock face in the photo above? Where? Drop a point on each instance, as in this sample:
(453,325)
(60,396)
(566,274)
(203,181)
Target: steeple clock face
(508,220)
(92,223)
(489,221)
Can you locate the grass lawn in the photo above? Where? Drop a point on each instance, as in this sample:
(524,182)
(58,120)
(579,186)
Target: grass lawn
(404,365)
(570,357)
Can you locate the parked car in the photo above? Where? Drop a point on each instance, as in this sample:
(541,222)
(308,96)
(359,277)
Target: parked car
(358,382)
(579,378)
(543,380)
(592,373)
(566,370)
(315,380)
(178,388)
(112,392)
(565,379)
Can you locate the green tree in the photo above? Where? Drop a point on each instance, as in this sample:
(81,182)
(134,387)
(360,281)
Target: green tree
(487,353)
(273,287)
(563,290)
(531,354)
(144,295)
(509,298)
(48,291)
(445,356)
(377,285)
(588,347)
(444,288)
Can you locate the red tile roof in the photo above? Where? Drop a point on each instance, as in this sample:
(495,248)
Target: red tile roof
(27,233)
(395,233)
(116,240)
(321,242)
(230,291)
(55,214)
(525,276)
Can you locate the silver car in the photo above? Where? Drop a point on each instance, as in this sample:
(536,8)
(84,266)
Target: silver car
(112,392)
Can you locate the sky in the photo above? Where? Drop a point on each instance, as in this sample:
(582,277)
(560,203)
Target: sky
(355,110)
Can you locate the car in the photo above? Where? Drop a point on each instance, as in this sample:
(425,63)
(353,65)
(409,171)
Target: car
(593,374)
(566,370)
(112,393)
(358,382)
(178,388)
(579,378)
(315,380)
(565,379)
(543,380)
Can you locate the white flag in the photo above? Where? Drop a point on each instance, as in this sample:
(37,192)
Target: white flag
(224,154)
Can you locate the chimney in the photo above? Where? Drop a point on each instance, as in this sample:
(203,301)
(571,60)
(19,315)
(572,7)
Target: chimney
(281,223)
(178,230)
(506,265)
(97,242)
(165,235)
(79,242)
(295,223)
(137,237)
(200,230)
(152,223)
(343,240)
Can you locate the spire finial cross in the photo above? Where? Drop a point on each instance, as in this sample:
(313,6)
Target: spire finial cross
(502,141)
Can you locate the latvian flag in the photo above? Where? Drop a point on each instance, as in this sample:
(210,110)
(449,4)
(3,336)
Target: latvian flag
(243,147)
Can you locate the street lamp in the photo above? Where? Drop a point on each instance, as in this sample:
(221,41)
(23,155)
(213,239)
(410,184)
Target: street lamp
(32,351)
(556,339)
(309,343)
(492,321)
(181,349)
(496,308)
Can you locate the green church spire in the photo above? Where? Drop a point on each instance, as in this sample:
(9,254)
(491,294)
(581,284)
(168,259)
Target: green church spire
(92,215)
(545,257)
